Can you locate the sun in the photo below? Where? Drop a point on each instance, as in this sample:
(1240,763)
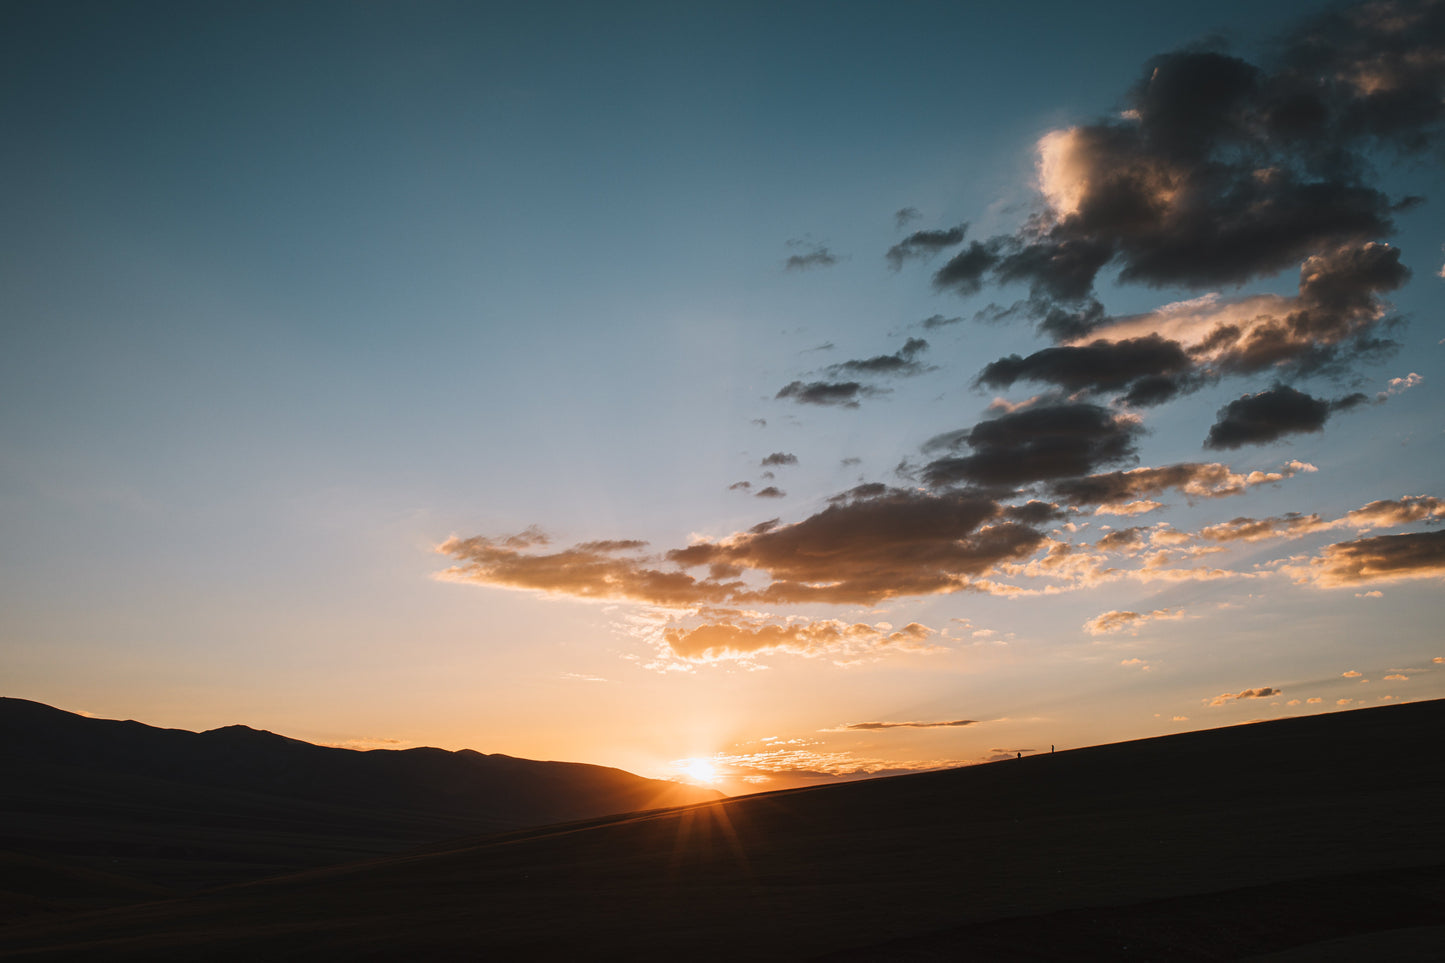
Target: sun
(699,770)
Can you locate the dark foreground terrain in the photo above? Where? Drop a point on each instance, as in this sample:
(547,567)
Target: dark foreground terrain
(1315,838)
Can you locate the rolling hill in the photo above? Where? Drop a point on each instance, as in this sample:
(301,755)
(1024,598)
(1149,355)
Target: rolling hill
(1302,837)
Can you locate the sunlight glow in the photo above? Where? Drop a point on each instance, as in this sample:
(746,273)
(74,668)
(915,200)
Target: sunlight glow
(699,770)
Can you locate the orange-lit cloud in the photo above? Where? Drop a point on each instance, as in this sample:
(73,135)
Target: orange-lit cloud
(739,639)
(1382,558)
(871,726)
(1119,621)
(1224,698)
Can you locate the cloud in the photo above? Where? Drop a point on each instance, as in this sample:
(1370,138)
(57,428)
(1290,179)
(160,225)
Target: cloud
(860,551)
(1221,171)
(871,548)
(1289,525)
(1270,415)
(905,216)
(1046,441)
(965,271)
(1396,677)
(935,321)
(743,638)
(871,726)
(772,491)
(903,362)
(1381,558)
(1387,513)
(1194,479)
(813,256)
(780,458)
(740,486)
(1352,674)
(923,244)
(1224,698)
(1115,621)
(1136,663)
(1314,700)
(845,394)
(1149,366)
(1397,386)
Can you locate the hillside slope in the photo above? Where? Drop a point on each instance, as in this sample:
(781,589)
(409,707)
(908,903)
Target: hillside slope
(1207,845)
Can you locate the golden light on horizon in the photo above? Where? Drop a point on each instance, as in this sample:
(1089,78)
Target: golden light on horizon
(699,770)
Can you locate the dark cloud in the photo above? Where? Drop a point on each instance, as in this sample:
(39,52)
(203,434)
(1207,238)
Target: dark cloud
(1145,363)
(871,726)
(902,362)
(934,321)
(780,458)
(869,549)
(850,461)
(867,490)
(1035,444)
(1221,171)
(1382,558)
(905,216)
(1270,415)
(1034,513)
(924,244)
(1123,540)
(813,256)
(841,394)
(772,491)
(740,486)
(965,271)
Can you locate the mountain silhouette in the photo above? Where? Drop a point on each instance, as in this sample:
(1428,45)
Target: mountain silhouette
(188,809)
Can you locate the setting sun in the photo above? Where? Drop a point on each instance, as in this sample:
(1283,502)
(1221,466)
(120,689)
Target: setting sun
(699,770)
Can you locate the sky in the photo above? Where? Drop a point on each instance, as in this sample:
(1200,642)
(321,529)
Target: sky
(761,394)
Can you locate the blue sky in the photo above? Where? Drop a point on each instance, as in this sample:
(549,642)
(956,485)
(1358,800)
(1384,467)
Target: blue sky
(293,295)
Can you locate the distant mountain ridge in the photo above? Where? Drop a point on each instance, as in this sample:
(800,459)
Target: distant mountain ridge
(167,802)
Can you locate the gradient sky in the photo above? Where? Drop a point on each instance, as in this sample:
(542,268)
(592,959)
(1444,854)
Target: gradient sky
(814,388)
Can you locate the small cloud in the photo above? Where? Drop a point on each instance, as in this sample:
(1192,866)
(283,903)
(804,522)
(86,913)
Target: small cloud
(1352,674)
(1397,385)
(1224,698)
(938,321)
(813,256)
(579,677)
(1181,718)
(1292,702)
(772,491)
(1372,594)
(923,245)
(780,458)
(741,486)
(871,726)
(839,394)
(1343,702)
(1397,678)
(1140,663)
(905,216)
(760,422)
(1118,621)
